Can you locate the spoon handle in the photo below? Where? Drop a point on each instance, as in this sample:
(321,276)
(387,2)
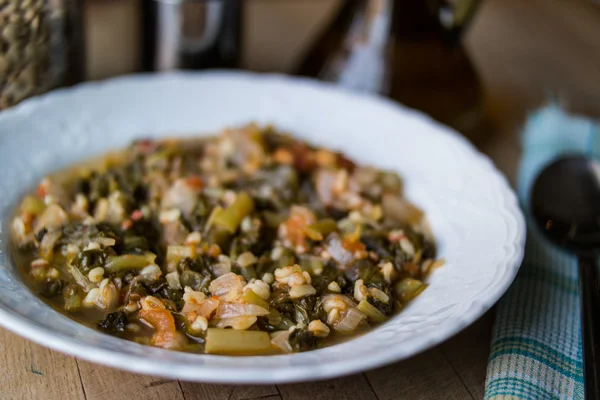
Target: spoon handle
(590,329)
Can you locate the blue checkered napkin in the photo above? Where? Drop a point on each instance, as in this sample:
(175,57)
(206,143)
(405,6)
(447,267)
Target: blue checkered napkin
(536,344)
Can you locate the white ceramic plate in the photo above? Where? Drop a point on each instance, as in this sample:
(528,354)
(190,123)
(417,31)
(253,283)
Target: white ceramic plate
(473,212)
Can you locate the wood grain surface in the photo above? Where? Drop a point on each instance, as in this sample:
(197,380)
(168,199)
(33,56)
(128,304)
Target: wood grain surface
(527,52)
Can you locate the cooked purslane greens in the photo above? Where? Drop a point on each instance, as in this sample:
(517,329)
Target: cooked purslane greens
(251,242)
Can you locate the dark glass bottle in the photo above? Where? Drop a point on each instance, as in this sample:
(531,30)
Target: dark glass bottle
(354,48)
(407,49)
(432,72)
(191,34)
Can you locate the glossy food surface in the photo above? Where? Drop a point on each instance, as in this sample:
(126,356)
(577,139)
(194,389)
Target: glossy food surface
(250,242)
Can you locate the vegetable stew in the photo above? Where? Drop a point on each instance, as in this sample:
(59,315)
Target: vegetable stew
(250,242)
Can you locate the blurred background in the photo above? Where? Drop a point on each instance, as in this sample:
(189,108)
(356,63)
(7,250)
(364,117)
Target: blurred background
(524,52)
(478,66)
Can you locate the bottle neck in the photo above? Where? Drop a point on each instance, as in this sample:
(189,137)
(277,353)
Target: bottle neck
(365,67)
(373,28)
(353,51)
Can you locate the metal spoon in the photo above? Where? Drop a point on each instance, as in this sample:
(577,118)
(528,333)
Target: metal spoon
(565,201)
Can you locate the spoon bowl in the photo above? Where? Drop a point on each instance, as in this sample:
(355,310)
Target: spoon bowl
(565,203)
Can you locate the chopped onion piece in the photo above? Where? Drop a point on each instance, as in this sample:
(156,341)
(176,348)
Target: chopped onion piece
(81,279)
(338,297)
(48,242)
(53,217)
(229,310)
(350,321)
(182,196)
(297,292)
(226,283)
(204,308)
(280,339)
(338,252)
(325,185)
(246,259)
(238,323)
(173,280)
(221,268)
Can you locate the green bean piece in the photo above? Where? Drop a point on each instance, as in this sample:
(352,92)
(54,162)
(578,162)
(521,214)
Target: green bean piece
(252,298)
(409,288)
(32,205)
(211,218)
(231,218)
(371,311)
(321,229)
(230,341)
(73,298)
(128,261)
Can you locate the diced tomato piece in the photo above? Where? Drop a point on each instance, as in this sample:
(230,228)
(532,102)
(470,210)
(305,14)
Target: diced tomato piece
(41,190)
(164,326)
(195,182)
(137,215)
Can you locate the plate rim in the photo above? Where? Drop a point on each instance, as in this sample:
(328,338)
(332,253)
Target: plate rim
(207,373)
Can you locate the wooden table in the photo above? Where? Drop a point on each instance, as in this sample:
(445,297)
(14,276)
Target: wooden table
(525,51)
